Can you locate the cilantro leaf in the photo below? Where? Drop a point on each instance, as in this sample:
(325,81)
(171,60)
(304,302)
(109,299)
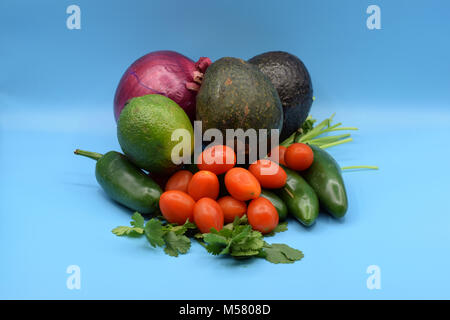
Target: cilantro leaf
(281,227)
(249,245)
(215,238)
(136,229)
(137,220)
(237,239)
(239,221)
(227,233)
(308,125)
(240,232)
(247,253)
(183,228)
(176,244)
(154,232)
(281,253)
(128,231)
(216,243)
(158,234)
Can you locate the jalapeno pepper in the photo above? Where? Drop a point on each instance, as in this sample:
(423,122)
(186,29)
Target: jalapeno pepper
(124,182)
(300,198)
(325,177)
(277,203)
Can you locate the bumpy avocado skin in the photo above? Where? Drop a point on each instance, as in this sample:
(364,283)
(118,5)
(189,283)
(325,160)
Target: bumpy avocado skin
(236,94)
(292,81)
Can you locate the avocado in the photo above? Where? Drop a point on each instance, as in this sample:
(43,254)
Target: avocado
(236,95)
(293,83)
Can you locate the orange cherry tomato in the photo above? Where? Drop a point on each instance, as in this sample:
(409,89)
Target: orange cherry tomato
(262,215)
(179,181)
(208,214)
(204,184)
(241,184)
(232,208)
(177,206)
(269,174)
(299,156)
(217,159)
(281,150)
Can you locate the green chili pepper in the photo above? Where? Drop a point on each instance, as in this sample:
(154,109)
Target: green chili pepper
(325,177)
(300,198)
(277,203)
(124,182)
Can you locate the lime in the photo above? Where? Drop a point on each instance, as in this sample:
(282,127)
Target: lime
(155,133)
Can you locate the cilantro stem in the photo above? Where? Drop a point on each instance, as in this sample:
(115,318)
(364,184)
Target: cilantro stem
(339,129)
(334,126)
(328,145)
(360,167)
(289,140)
(330,138)
(89,154)
(315,131)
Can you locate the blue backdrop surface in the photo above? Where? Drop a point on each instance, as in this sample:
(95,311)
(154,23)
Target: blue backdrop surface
(56,92)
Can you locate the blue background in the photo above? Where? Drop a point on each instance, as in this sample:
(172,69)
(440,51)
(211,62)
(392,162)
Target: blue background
(56,92)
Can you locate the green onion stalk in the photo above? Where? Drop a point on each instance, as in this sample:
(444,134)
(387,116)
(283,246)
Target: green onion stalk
(310,134)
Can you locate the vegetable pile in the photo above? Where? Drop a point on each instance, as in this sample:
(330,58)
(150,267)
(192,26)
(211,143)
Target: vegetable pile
(228,206)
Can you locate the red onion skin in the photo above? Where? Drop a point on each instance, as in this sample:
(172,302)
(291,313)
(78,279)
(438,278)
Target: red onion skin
(162,72)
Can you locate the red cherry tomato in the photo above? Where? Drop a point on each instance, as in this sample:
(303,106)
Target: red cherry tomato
(177,206)
(217,159)
(269,174)
(232,208)
(179,181)
(262,215)
(299,156)
(281,150)
(208,214)
(204,184)
(242,185)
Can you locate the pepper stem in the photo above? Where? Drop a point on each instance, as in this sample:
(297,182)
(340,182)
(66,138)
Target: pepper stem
(89,154)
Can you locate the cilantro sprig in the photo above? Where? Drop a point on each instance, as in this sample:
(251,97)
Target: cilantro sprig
(239,240)
(171,237)
(236,239)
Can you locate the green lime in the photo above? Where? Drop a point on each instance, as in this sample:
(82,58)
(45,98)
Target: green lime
(155,133)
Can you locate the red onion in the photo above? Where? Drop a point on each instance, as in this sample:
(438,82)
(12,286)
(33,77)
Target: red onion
(163,72)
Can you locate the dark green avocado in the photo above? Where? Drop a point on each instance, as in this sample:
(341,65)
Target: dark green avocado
(292,81)
(236,95)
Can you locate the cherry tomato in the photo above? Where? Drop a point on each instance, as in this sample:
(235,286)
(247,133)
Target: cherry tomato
(177,206)
(281,150)
(269,174)
(217,159)
(208,214)
(179,181)
(262,215)
(299,156)
(232,208)
(204,184)
(241,184)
